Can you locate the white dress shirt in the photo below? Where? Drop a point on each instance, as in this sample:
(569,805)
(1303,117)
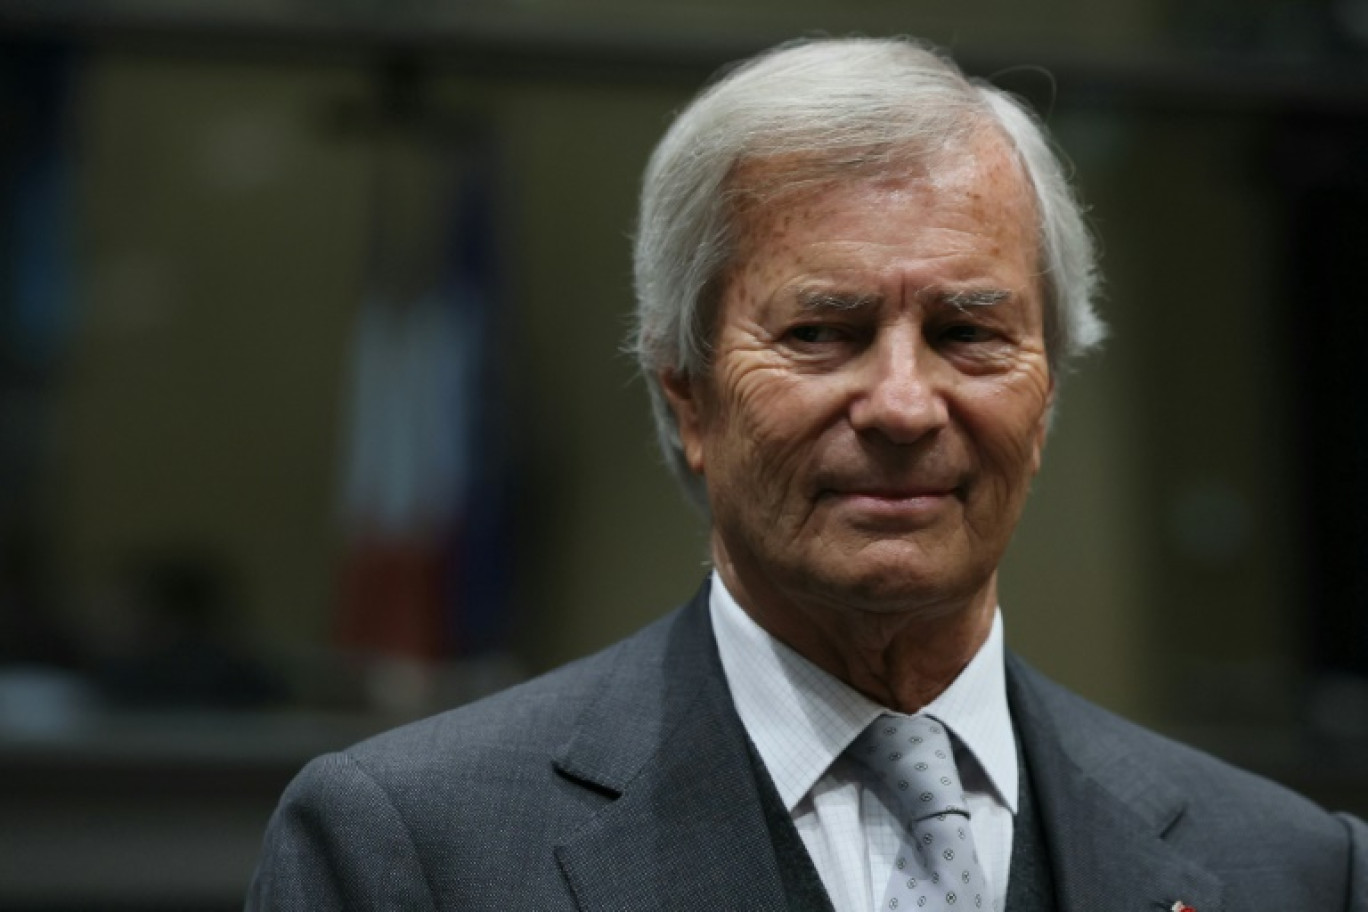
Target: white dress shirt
(802,719)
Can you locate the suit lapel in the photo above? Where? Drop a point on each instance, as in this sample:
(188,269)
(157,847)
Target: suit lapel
(1103,812)
(684,829)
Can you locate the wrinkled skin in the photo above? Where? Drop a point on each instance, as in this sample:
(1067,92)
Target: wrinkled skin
(874,413)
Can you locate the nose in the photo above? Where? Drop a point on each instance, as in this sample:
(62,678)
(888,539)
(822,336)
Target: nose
(897,395)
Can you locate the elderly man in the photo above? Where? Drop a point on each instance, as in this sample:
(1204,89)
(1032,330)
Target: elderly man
(859,277)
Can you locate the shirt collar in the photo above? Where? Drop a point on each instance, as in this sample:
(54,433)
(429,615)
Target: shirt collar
(801,718)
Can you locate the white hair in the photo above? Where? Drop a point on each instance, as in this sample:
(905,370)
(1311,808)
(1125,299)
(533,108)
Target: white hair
(826,109)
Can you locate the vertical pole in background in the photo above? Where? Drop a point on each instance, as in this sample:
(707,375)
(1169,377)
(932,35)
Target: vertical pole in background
(37,311)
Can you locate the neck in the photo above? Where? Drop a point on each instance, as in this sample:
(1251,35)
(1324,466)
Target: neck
(901,656)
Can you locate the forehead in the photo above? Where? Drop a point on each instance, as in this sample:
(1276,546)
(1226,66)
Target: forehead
(977,187)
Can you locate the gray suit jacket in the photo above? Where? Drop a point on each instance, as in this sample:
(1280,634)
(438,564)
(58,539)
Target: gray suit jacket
(623,781)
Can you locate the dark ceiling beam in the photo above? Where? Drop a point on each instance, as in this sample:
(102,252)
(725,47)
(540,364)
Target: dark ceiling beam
(500,43)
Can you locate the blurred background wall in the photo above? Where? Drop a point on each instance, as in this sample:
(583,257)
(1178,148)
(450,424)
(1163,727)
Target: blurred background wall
(313,416)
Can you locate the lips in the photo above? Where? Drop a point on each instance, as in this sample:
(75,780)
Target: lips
(913,490)
(892,490)
(898,492)
(893,508)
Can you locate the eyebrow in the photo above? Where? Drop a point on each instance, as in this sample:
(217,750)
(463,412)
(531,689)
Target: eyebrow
(820,300)
(961,300)
(813,300)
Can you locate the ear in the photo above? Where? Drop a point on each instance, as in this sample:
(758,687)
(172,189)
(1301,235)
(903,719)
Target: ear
(685,398)
(1043,428)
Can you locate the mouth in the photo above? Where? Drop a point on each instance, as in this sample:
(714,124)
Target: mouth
(897,492)
(917,503)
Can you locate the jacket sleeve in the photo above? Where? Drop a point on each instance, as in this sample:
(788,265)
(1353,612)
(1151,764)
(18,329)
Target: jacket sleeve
(335,843)
(1358,864)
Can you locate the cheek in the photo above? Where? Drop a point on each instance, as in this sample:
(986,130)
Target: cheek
(768,430)
(1008,423)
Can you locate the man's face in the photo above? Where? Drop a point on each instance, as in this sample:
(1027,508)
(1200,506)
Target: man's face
(878,393)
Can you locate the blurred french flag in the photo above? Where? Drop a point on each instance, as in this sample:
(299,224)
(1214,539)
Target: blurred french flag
(425,486)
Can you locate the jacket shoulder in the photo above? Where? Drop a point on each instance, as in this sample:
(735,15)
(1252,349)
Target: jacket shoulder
(530,719)
(1260,835)
(416,817)
(1114,747)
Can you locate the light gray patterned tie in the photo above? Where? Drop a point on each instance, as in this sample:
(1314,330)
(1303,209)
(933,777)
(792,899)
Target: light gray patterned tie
(937,867)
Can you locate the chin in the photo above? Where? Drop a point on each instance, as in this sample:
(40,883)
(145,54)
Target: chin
(895,591)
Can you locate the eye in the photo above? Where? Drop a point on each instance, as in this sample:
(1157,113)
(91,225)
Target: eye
(965,334)
(815,334)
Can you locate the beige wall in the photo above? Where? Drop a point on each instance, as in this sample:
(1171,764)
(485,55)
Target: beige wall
(221,243)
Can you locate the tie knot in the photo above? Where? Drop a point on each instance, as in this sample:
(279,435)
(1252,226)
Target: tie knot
(912,756)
